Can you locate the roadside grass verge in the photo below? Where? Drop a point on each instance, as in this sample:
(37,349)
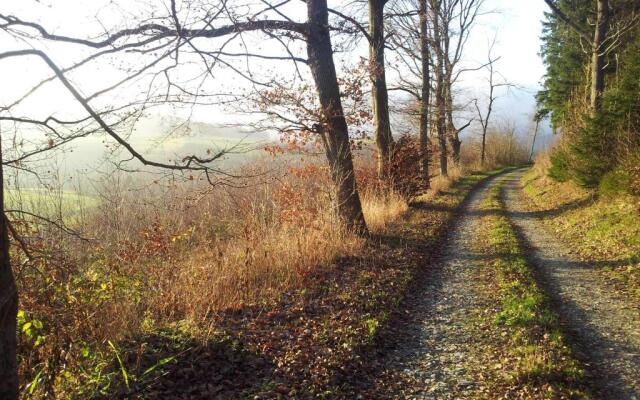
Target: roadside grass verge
(604,229)
(534,359)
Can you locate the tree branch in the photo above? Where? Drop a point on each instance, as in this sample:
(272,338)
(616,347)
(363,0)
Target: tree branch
(565,18)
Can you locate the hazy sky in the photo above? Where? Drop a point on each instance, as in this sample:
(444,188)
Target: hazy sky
(517,23)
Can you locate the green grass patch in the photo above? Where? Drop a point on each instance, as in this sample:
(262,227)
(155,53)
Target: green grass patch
(60,205)
(538,357)
(604,229)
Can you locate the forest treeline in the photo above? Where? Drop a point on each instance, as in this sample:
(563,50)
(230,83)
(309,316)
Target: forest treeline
(592,93)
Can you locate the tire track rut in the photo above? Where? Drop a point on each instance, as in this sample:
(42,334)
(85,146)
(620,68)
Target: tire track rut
(604,325)
(436,352)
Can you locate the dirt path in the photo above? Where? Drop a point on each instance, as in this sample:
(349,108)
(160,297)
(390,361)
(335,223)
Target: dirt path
(435,351)
(605,326)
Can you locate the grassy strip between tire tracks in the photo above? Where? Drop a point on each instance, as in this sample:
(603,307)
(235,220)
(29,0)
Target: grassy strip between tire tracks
(531,358)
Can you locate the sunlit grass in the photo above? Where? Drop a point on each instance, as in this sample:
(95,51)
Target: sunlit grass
(600,228)
(538,353)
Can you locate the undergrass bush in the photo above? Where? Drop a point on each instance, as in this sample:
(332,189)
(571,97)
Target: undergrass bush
(559,165)
(593,151)
(616,182)
(152,255)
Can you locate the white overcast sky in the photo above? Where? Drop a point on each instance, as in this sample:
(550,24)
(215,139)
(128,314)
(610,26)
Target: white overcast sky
(517,22)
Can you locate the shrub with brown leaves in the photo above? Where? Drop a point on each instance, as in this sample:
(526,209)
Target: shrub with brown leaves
(405,167)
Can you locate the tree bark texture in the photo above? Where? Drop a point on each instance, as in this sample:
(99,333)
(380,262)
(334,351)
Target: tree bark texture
(424,95)
(334,132)
(8,308)
(379,94)
(598,56)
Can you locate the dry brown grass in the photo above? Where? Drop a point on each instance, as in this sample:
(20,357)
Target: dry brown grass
(563,192)
(277,247)
(253,268)
(504,147)
(440,184)
(181,251)
(543,162)
(382,208)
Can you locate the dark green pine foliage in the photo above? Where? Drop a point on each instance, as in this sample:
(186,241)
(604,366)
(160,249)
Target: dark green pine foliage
(566,62)
(621,119)
(596,145)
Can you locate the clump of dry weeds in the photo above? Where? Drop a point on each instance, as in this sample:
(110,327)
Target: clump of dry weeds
(176,251)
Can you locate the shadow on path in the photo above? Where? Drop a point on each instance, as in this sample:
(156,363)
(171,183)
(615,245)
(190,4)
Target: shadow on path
(426,346)
(604,326)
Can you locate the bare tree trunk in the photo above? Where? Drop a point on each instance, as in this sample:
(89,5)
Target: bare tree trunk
(440,89)
(485,121)
(334,133)
(533,142)
(424,96)
(455,148)
(8,308)
(380,96)
(598,56)
(483,156)
(452,132)
(441,129)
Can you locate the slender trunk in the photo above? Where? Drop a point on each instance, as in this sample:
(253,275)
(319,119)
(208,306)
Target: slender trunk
(447,95)
(510,147)
(485,123)
(440,94)
(334,132)
(598,56)
(424,97)
(8,308)
(533,143)
(441,125)
(456,144)
(452,132)
(442,141)
(380,96)
(484,144)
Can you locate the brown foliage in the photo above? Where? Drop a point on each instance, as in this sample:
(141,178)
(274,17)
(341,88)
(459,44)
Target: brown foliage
(405,167)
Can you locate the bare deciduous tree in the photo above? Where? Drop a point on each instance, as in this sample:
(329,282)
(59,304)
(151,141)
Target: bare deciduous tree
(457,20)
(315,31)
(484,117)
(377,40)
(411,41)
(170,37)
(425,89)
(380,97)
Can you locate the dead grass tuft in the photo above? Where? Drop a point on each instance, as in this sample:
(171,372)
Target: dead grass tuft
(382,208)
